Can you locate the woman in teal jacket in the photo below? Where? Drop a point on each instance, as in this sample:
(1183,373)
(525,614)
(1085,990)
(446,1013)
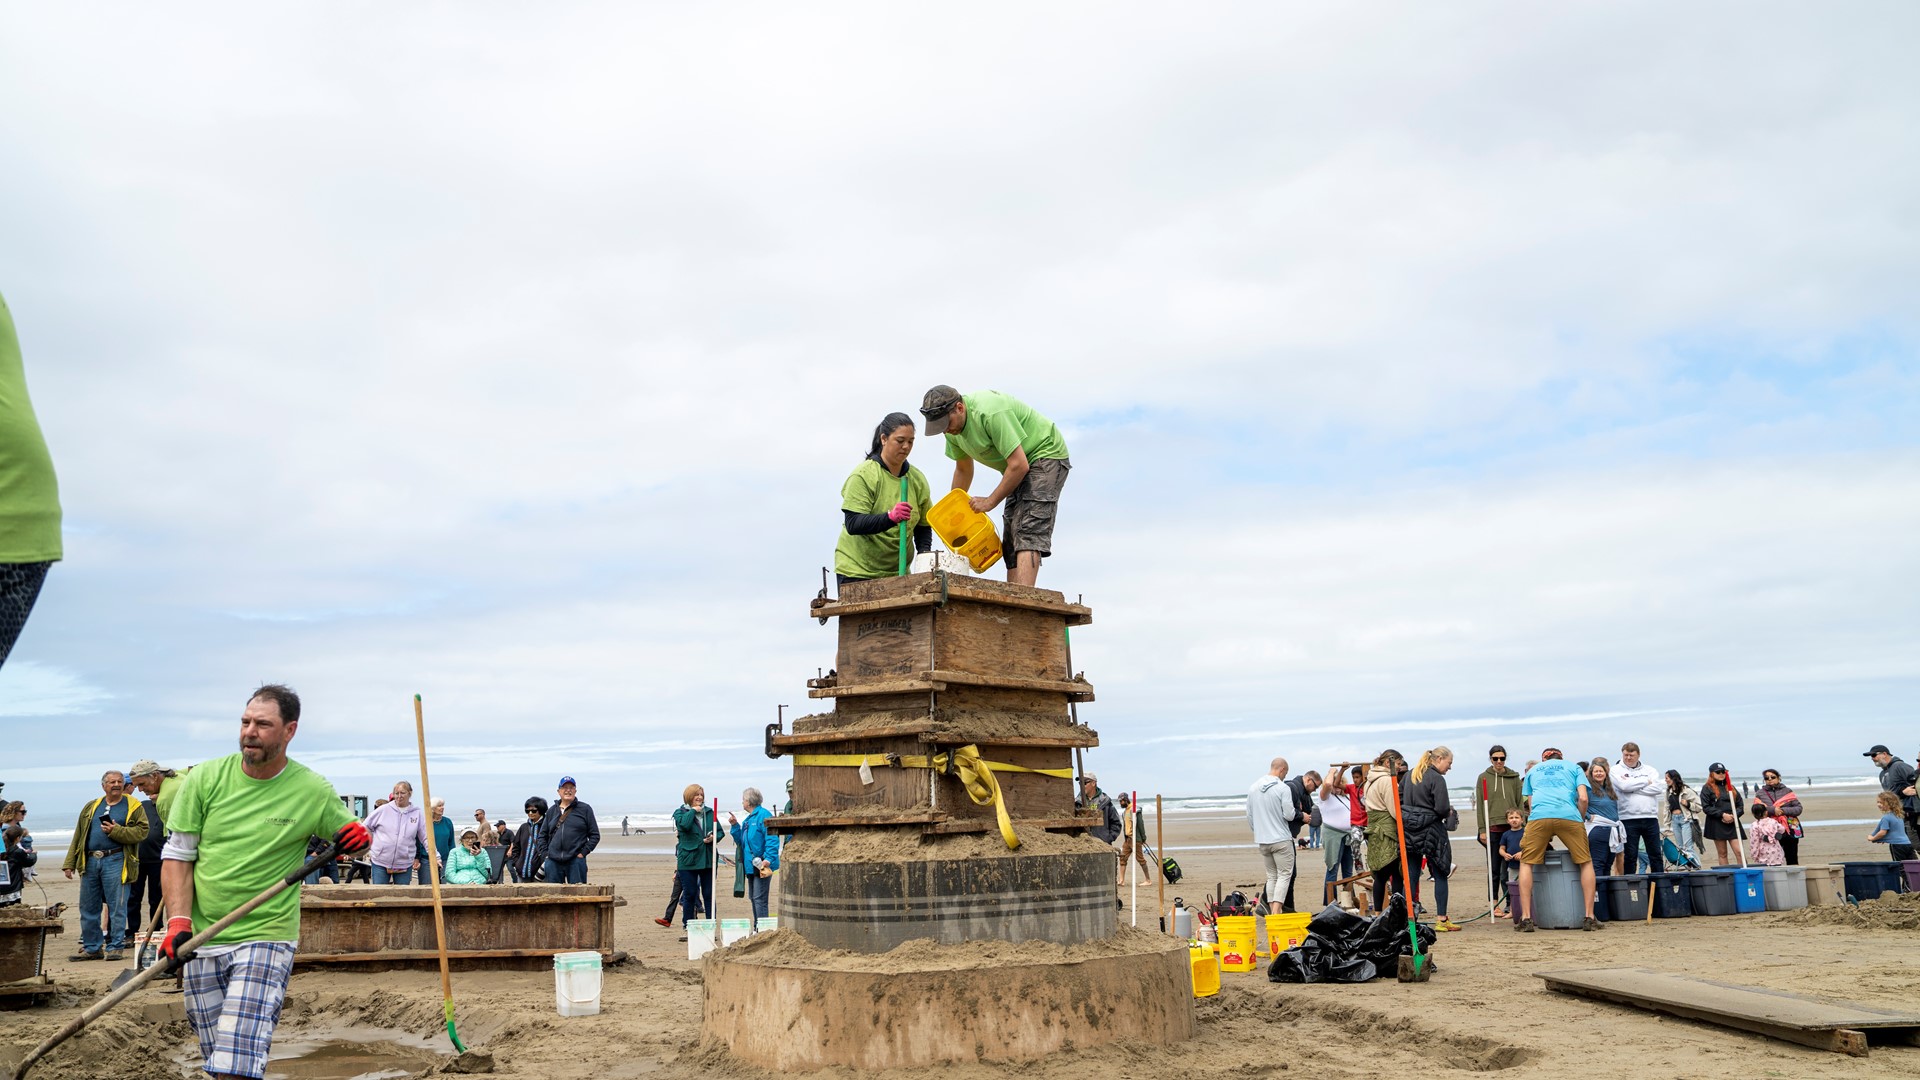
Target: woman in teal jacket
(694,835)
(756,854)
(467,864)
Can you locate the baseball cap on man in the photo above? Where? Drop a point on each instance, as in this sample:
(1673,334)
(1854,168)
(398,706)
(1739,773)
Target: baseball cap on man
(937,406)
(1878,748)
(564,781)
(1550,752)
(144,767)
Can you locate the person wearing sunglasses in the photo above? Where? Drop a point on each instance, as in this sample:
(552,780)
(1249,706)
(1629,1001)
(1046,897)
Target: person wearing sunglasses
(1721,804)
(1496,791)
(527,851)
(1781,804)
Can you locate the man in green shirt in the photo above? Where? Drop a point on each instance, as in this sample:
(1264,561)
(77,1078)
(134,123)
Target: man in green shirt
(240,824)
(1006,435)
(29,495)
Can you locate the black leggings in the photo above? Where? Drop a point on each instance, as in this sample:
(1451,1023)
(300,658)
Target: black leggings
(1387,879)
(19,588)
(1790,846)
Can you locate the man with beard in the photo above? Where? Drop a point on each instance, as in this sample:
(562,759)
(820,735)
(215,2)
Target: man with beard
(241,824)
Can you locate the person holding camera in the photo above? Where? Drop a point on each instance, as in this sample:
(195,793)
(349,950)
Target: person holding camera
(105,853)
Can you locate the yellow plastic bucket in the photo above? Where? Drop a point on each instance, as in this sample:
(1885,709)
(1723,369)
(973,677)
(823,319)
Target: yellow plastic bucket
(1206,970)
(966,531)
(1237,942)
(1286,931)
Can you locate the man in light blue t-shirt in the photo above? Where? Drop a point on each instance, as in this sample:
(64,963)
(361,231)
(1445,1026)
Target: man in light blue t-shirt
(1555,792)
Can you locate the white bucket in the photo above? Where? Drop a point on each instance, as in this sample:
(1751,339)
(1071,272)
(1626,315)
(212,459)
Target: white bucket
(699,938)
(576,983)
(732,930)
(767,925)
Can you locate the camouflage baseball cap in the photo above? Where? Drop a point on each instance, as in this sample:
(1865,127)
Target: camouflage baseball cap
(937,406)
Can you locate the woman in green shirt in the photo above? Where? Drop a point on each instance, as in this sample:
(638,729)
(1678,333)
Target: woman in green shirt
(874,510)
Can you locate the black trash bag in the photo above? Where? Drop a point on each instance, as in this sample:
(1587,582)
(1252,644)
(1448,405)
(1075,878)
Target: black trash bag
(1341,947)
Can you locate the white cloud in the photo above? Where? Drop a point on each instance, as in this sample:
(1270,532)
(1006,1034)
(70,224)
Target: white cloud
(517,359)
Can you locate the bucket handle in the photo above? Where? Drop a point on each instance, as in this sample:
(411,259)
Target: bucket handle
(571,1000)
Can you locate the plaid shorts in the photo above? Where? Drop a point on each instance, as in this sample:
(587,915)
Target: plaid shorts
(233,1000)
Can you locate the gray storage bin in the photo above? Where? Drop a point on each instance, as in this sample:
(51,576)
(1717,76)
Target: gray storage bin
(1786,887)
(1557,904)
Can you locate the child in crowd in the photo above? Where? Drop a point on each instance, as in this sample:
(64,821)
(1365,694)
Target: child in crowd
(13,864)
(1763,839)
(1510,853)
(1892,831)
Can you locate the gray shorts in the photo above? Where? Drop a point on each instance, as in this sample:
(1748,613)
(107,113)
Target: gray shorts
(1027,520)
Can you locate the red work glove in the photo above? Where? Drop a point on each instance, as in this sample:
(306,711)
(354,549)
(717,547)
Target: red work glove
(179,929)
(353,838)
(900,513)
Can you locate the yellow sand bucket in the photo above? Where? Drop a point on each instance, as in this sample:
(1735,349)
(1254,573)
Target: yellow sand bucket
(1206,970)
(965,530)
(1237,942)
(1286,931)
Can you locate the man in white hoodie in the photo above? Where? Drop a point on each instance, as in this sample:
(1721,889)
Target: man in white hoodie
(1270,812)
(1639,787)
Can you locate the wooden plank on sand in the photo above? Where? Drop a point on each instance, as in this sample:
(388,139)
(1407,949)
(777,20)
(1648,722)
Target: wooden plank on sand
(1828,1025)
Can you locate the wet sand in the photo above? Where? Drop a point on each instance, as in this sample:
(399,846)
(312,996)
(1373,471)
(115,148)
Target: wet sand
(1483,1011)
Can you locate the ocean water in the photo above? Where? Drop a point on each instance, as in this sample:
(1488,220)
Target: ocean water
(658,823)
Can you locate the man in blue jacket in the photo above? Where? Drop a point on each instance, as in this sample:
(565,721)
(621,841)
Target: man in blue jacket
(572,836)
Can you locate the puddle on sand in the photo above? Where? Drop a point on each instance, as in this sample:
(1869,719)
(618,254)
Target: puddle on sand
(363,1054)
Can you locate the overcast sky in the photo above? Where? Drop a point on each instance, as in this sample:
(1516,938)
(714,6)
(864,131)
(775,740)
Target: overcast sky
(1432,374)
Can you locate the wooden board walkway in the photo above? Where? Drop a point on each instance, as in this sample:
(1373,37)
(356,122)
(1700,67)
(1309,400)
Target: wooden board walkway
(1838,1026)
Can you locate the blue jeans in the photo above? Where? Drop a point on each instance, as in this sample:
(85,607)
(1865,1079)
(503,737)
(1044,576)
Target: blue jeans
(757,889)
(100,886)
(1600,845)
(567,871)
(696,894)
(1683,836)
(384,876)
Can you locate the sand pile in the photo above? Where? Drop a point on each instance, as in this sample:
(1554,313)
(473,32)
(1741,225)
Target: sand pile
(784,948)
(1890,912)
(22,913)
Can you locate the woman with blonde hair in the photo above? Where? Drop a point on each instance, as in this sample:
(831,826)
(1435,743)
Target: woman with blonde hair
(1427,812)
(694,837)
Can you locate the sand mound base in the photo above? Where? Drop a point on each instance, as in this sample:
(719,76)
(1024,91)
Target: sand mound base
(780,1003)
(1893,911)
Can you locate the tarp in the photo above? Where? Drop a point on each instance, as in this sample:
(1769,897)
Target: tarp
(1347,948)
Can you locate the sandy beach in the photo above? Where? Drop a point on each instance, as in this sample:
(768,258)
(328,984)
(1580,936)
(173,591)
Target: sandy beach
(1483,1011)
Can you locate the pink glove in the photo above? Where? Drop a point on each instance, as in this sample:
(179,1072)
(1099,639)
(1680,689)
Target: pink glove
(899,513)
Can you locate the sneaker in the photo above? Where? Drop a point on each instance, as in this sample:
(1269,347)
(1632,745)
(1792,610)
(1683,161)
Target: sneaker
(664,922)
(79,956)
(115,954)
(1525,926)
(1445,925)
(1591,924)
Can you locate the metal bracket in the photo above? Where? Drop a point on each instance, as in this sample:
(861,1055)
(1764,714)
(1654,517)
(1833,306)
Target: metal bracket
(780,711)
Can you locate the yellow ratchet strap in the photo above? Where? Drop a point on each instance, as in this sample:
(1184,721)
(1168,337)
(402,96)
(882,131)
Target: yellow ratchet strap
(976,775)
